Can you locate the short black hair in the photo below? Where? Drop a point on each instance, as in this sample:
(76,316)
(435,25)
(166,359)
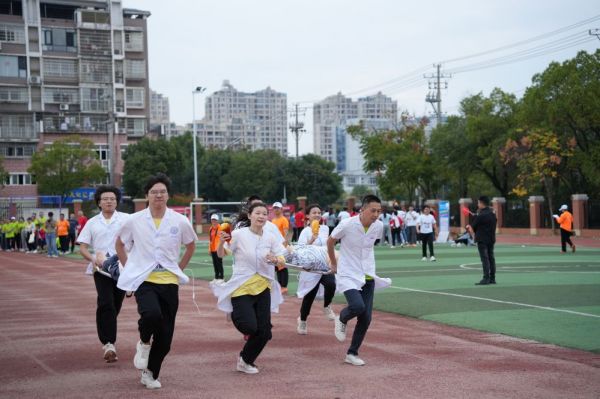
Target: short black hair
(253,198)
(50,214)
(485,200)
(426,206)
(311,206)
(257,205)
(157,178)
(106,189)
(367,199)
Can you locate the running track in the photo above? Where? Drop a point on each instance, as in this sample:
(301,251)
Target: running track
(49,349)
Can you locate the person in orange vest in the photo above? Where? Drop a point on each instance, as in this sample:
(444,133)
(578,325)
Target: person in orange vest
(212,249)
(283,225)
(565,220)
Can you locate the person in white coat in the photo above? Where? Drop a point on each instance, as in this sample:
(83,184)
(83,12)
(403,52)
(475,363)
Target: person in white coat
(252,292)
(310,283)
(152,268)
(355,272)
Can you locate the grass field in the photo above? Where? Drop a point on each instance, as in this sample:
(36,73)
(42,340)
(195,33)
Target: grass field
(541,294)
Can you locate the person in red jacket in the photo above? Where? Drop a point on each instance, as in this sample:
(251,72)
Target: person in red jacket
(565,220)
(299,221)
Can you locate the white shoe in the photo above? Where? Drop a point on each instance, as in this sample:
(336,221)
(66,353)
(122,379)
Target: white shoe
(149,381)
(424,259)
(329,313)
(213,281)
(110,353)
(219,281)
(340,329)
(142,353)
(302,329)
(34,251)
(354,360)
(432,259)
(245,367)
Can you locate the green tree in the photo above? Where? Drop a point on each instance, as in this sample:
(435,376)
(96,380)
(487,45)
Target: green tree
(565,99)
(313,177)
(65,165)
(361,190)
(213,166)
(3,173)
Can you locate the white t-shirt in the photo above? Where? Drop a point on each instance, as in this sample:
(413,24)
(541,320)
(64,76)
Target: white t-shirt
(343,215)
(411,218)
(306,235)
(100,234)
(151,247)
(426,223)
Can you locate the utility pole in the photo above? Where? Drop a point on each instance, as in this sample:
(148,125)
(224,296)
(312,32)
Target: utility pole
(297,127)
(595,32)
(434,97)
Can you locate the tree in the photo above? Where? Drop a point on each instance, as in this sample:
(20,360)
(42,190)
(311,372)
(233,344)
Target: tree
(65,165)
(313,177)
(212,167)
(360,191)
(565,99)
(3,173)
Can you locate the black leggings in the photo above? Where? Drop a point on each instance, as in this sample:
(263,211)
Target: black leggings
(252,316)
(427,241)
(328,282)
(217,265)
(283,277)
(64,243)
(565,238)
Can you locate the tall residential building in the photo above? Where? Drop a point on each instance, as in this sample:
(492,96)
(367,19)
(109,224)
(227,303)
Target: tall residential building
(70,67)
(235,119)
(159,111)
(332,117)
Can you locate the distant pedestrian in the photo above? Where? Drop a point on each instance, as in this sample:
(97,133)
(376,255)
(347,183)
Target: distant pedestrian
(566,228)
(484,227)
(411,226)
(427,230)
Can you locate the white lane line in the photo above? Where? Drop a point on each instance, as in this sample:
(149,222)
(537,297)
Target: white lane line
(526,305)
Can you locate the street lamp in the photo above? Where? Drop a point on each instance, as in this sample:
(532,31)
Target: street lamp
(198,90)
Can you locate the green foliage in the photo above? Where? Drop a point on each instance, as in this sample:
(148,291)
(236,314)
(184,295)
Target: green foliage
(65,165)
(3,173)
(360,191)
(313,177)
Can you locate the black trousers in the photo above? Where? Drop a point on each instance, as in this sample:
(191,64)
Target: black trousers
(488,262)
(252,316)
(157,306)
(64,243)
(217,265)
(565,238)
(360,305)
(328,281)
(72,239)
(109,301)
(427,241)
(283,276)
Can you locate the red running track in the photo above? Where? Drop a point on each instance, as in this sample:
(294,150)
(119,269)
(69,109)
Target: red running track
(49,349)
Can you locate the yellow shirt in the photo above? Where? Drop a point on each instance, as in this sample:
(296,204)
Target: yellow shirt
(160,275)
(253,286)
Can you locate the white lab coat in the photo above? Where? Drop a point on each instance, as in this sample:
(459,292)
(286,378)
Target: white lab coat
(307,281)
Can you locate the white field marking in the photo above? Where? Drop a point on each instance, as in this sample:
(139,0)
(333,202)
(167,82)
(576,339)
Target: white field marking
(523,269)
(525,305)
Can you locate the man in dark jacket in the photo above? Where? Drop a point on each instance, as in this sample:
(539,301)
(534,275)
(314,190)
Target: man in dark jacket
(484,227)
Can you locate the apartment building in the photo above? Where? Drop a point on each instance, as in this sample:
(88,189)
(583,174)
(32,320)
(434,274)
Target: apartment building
(234,119)
(66,68)
(160,117)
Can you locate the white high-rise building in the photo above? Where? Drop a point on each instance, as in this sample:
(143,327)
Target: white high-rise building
(159,109)
(235,119)
(328,114)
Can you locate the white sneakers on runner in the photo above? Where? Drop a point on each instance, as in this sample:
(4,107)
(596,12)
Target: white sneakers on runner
(142,353)
(340,330)
(245,367)
(329,313)
(354,360)
(302,328)
(149,381)
(424,259)
(432,259)
(110,353)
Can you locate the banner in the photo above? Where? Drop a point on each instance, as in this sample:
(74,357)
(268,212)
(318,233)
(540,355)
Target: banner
(444,221)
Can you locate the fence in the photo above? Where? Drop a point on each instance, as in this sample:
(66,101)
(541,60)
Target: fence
(516,214)
(593,214)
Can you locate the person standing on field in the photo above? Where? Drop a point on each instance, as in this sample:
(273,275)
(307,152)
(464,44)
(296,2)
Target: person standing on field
(565,220)
(484,227)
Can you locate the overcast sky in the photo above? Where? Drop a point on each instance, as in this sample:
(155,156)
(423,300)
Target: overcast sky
(314,48)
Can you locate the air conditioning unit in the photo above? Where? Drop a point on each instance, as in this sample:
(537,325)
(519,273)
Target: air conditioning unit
(35,80)
(64,107)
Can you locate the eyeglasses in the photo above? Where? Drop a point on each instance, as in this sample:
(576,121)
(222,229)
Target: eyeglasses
(108,199)
(158,192)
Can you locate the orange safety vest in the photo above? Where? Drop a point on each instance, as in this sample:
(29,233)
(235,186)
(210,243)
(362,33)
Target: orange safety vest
(566,221)
(214,238)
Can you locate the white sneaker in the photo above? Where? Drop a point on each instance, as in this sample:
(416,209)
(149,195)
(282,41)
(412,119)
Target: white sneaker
(142,353)
(340,329)
(245,367)
(329,313)
(149,381)
(354,360)
(219,281)
(34,251)
(424,259)
(392,247)
(110,353)
(302,328)
(432,259)
(213,281)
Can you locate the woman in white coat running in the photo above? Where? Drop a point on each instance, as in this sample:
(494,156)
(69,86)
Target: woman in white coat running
(310,283)
(252,292)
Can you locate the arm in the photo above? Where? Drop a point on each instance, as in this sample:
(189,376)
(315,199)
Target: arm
(85,252)
(221,248)
(121,253)
(187,255)
(331,252)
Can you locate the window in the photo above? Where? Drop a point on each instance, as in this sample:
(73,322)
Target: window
(136,127)
(58,68)
(19,179)
(13,95)
(95,71)
(135,98)
(56,39)
(61,95)
(103,154)
(11,7)
(16,151)
(57,11)
(13,66)
(16,126)
(12,33)
(134,41)
(119,71)
(135,69)
(95,99)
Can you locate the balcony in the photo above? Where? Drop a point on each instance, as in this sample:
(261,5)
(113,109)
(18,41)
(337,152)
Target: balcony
(77,123)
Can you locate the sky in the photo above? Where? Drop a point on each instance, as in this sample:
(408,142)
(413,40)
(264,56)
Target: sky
(315,48)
